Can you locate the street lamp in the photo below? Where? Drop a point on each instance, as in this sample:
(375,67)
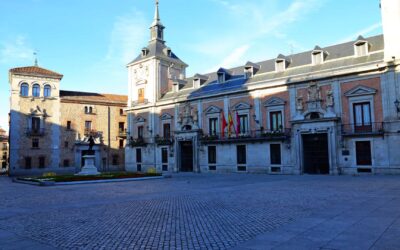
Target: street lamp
(397,105)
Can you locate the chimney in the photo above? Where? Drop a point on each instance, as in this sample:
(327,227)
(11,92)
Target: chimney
(391,23)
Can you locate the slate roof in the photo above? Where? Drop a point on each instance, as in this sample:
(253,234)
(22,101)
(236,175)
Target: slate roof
(158,49)
(36,71)
(337,56)
(93,97)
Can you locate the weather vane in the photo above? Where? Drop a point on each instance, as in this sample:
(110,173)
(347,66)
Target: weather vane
(36,60)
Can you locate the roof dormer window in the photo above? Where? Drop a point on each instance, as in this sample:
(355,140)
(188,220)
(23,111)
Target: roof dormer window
(221,77)
(361,47)
(199,80)
(281,63)
(250,69)
(168,52)
(145,51)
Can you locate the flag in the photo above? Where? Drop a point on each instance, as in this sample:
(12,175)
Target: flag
(237,124)
(230,124)
(223,125)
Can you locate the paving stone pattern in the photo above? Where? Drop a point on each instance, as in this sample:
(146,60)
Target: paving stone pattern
(201,211)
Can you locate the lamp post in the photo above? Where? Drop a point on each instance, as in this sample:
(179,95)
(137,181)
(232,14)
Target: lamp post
(397,105)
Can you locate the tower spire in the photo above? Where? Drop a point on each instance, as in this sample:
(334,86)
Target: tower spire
(36,60)
(157,29)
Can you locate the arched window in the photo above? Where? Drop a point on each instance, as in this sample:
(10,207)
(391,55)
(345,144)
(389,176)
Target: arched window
(90,110)
(86,110)
(36,90)
(24,89)
(47,91)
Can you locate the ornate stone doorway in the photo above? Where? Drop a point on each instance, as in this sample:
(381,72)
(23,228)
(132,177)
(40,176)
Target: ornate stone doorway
(315,153)
(186,156)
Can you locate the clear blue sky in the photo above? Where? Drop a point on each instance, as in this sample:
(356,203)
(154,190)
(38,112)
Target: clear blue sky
(90,42)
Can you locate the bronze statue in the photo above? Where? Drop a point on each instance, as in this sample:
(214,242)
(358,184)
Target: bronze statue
(91,144)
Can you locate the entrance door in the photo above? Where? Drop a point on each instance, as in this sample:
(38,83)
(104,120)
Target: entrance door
(315,154)
(186,156)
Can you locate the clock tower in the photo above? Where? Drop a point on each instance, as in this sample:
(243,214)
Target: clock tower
(156,71)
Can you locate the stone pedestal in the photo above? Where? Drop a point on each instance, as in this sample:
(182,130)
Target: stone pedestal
(89,168)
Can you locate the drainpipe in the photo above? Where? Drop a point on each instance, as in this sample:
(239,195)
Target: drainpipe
(109,138)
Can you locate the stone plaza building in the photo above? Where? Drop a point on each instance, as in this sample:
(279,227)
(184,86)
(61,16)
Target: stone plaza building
(329,110)
(50,128)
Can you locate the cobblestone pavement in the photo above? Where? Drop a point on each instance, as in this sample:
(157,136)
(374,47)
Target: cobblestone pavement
(201,211)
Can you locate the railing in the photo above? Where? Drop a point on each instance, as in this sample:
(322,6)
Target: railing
(374,128)
(4,147)
(255,135)
(169,140)
(92,132)
(140,102)
(122,133)
(35,132)
(137,142)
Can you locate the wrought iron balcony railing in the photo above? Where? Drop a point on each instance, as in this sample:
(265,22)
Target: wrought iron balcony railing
(250,136)
(122,133)
(373,128)
(92,132)
(140,102)
(137,142)
(35,132)
(168,140)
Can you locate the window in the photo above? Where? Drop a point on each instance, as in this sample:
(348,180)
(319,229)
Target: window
(68,125)
(361,49)
(66,163)
(88,125)
(140,132)
(212,126)
(86,110)
(115,160)
(167,130)
(121,127)
(241,154)
(138,155)
(317,57)
(275,119)
(212,154)
(47,91)
(138,159)
(275,153)
(28,162)
(121,112)
(36,90)
(42,162)
(66,144)
(280,66)
(362,117)
(221,77)
(244,124)
(24,89)
(35,124)
(363,153)
(121,143)
(35,143)
(141,95)
(90,110)
(164,159)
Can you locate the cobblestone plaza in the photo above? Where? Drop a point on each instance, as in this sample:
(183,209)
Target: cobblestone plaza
(201,211)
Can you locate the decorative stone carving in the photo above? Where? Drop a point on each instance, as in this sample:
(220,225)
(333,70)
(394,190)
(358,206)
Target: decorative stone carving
(299,103)
(314,92)
(329,98)
(141,74)
(188,118)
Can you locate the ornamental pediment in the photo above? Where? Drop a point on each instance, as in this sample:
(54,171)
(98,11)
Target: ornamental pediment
(212,110)
(274,101)
(166,116)
(360,90)
(139,119)
(242,106)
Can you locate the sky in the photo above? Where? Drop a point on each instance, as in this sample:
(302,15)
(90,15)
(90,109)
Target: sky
(90,42)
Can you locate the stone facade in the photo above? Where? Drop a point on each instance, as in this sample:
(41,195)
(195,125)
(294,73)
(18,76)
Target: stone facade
(49,128)
(324,111)
(3,151)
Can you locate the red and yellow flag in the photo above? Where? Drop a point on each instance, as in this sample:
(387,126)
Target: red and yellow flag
(230,124)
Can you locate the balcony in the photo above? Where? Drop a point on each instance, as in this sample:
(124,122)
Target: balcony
(251,136)
(371,129)
(35,132)
(164,141)
(140,102)
(122,133)
(93,133)
(137,142)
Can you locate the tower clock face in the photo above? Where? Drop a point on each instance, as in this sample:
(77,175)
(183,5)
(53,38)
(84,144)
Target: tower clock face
(141,74)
